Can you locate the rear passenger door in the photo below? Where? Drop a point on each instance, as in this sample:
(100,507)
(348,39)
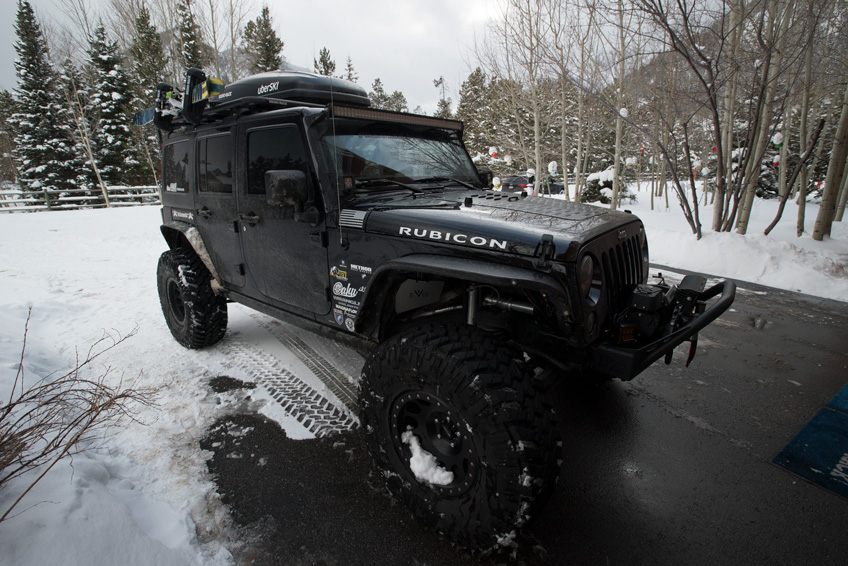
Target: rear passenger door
(286,259)
(217,217)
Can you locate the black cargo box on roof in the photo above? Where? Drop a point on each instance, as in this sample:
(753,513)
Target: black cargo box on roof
(294,86)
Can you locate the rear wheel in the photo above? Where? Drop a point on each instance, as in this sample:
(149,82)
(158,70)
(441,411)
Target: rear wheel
(454,424)
(195,315)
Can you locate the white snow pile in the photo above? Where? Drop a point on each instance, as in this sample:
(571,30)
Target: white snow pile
(601,177)
(780,259)
(140,493)
(424,465)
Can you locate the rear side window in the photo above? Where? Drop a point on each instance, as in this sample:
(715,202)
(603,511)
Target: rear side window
(175,167)
(215,164)
(273,149)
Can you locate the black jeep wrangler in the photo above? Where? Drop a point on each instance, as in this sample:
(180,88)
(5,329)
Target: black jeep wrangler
(285,192)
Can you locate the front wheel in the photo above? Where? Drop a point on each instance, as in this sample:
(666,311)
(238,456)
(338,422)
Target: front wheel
(195,315)
(457,429)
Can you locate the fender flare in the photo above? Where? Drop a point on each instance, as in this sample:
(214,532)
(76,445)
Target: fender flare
(180,235)
(471,270)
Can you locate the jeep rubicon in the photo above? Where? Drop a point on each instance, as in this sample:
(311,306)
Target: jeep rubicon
(285,192)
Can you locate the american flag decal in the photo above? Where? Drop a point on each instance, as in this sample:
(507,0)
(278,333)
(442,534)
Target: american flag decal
(352,219)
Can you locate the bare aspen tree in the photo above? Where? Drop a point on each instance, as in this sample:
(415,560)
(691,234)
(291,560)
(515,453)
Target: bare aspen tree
(584,36)
(211,23)
(77,108)
(835,171)
(779,13)
(620,110)
(525,34)
(843,195)
(698,37)
(558,53)
(721,201)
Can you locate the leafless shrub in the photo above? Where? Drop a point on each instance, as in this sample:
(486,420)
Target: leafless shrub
(43,423)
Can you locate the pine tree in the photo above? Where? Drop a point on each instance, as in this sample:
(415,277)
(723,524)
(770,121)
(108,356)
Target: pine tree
(474,110)
(324,65)
(379,98)
(74,90)
(149,64)
(191,52)
(114,151)
(41,149)
(350,73)
(8,107)
(149,59)
(443,109)
(397,102)
(262,45)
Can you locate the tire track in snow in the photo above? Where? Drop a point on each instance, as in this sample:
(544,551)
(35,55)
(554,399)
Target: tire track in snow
(335,380)
(305,404)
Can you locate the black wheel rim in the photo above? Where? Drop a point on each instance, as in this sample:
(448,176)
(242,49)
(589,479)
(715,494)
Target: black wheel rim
(442,432)
(175,301)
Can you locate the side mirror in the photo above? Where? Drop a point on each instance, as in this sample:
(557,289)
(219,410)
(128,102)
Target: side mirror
(286,188)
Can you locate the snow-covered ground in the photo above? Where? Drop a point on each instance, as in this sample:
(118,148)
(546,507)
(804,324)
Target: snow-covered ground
(141,494)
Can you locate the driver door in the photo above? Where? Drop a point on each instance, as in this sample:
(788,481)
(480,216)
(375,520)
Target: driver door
(285,259)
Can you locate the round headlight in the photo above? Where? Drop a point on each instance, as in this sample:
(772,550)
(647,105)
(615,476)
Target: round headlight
(587,269)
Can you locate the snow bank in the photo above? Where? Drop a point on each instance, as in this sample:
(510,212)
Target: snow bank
(780,259)
(140,494)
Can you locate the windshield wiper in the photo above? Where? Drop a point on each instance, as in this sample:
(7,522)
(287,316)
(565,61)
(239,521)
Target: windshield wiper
(383,181)
(442,179)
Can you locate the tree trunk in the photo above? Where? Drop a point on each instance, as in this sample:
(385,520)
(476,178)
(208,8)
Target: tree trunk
(771,70)
(720,201)
(843,196)
(784,195)
(835,170)
(616,178)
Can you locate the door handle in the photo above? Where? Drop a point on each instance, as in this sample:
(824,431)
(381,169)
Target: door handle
(249,218)
(204,212)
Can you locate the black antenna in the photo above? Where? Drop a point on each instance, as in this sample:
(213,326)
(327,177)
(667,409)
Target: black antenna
(336,166)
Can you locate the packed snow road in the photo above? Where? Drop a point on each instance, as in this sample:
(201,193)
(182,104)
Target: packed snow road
(252,452)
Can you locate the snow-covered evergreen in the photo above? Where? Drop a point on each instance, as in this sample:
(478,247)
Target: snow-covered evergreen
(8,170)
(43,151)
(191,53)
(148,69)
(473,110)
(113,148)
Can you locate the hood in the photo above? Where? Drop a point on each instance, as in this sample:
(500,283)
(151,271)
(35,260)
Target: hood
(502,223)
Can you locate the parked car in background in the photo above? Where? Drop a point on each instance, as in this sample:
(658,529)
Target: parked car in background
(515,184)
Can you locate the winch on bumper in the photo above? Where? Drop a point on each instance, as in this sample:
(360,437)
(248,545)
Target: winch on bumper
(665,316)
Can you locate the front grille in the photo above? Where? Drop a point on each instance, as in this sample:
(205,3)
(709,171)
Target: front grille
(622,265)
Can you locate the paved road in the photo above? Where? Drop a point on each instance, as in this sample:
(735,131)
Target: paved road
(671,468)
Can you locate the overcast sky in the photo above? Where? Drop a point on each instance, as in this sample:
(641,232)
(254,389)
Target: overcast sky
(406,43)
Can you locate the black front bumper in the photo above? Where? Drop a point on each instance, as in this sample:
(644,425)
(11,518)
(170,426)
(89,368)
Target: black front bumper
(626,362)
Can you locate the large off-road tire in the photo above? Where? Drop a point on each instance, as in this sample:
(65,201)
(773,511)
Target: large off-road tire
(471,404)
(196,316)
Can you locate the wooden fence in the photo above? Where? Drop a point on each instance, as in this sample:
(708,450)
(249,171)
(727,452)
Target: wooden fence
(18,200)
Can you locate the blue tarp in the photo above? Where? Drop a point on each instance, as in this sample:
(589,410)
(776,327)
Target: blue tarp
(819,453)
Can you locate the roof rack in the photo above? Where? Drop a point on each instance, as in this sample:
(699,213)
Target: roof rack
(208,100)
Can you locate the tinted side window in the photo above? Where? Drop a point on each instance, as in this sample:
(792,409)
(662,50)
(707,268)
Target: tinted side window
(175,165)
(215,164)
(273,149)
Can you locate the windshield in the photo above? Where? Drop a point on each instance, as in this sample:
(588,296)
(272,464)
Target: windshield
(373,158)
